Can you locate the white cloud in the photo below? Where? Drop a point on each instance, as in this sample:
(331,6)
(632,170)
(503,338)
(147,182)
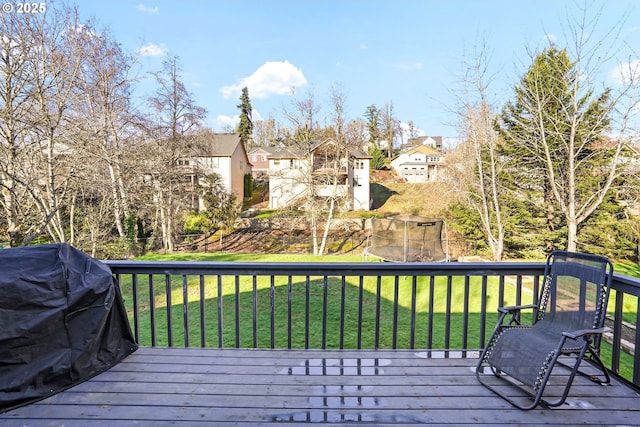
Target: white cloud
(272,78)
(225,122)
(626,72)
(228,123)
(152,50)
(256,117)
(147,9)
(364,47)
(405,131)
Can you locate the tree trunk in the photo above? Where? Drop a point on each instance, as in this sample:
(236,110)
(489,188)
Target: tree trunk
(11,213)
(327,226)
(117,208)
(314,232)
(572,233)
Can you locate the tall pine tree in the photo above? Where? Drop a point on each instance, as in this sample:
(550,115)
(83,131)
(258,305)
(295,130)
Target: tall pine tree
(373,126)
(554,134)
(245,126)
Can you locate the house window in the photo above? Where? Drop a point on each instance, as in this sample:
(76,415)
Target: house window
(276,162)
(254,158)
(264,158)
(241,165)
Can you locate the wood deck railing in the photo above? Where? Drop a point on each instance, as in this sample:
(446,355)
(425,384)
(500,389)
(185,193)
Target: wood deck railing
(439,306)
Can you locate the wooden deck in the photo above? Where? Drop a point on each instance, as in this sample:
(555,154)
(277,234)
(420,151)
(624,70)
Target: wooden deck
(197,387)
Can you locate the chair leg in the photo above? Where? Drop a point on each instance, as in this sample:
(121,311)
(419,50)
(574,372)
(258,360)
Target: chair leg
(537,397)
(534,403)
(575,370)
(596,358)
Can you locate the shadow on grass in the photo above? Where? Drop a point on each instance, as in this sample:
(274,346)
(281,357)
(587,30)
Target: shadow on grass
(379,195)
(333,313)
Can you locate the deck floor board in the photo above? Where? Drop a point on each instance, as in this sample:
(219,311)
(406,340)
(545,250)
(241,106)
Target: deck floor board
(160,386)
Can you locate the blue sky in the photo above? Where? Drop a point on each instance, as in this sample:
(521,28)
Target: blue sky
(408,52)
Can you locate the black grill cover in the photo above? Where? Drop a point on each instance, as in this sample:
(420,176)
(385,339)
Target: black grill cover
(62,321)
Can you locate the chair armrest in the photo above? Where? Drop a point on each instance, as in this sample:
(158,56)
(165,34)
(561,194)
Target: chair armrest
(514,311)
(582,332)
(515,308)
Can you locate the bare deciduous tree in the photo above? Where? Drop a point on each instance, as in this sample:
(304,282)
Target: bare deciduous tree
(266,133)
(39,71)
(566,132)
(321,170)
(475,165)
(174,124)
(106,130)
(16,86)
(390,127)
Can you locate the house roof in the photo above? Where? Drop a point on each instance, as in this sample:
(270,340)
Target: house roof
(429,141)
(421,140)
(216,144)
(286,153)
(294,152)
(423,149)
(354,151)
(262,150)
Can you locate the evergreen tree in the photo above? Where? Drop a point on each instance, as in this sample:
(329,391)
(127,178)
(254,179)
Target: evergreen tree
(609,231)
(554,138)
(221,208)
(245,126)
(373,125)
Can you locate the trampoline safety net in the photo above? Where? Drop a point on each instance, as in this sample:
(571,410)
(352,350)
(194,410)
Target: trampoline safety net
(407,238)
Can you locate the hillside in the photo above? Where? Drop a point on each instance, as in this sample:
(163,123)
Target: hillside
(390,195)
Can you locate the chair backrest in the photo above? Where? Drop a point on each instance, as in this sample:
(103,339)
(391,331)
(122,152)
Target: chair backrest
(574,292)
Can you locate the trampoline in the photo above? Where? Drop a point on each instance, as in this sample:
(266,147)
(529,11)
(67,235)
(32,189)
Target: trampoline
(407,238)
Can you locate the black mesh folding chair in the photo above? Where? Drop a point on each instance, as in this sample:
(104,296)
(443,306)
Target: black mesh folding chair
(567,328)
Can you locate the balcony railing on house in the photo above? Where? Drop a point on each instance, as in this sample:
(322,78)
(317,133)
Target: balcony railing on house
(445,309)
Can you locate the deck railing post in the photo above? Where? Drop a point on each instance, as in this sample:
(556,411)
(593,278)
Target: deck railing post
(378,305)
(152,311)
(167,285)
(185,310)
(203,326)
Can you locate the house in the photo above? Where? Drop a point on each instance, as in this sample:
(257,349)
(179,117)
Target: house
(291,172)
(259,158)
(428,141)
(419,164)
(221,153)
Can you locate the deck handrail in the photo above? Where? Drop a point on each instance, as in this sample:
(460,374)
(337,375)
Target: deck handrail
(405,293)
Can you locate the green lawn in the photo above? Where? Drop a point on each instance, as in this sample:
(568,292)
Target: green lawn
(627,268)
(226,257)
(429,323)
(289,297)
